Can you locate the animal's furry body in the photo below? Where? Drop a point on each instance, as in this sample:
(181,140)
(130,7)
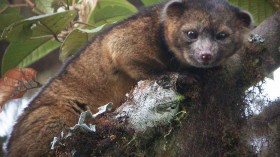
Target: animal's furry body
(145,46)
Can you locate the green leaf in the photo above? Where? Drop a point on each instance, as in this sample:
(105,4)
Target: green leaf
(44,6)
(7,17)
(151,2)
(22,54)
(3,5)
(39,25)
(75,40)
(260,9)
(50,6)
(108,11)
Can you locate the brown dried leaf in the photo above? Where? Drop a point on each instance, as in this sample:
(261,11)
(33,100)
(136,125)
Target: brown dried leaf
(85,9)
(15,83)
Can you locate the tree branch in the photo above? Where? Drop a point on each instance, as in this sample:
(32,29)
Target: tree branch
(215,113)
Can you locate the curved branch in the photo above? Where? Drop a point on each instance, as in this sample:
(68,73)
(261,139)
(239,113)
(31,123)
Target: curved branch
(214,105)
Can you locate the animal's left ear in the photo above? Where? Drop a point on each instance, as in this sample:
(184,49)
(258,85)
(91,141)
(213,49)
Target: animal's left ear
(246,18)
(173,9)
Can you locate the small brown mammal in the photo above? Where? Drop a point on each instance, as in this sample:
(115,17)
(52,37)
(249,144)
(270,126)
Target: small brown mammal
(163,38)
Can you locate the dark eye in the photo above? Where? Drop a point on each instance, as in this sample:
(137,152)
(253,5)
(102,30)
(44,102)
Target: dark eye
(192,34)
(221,36)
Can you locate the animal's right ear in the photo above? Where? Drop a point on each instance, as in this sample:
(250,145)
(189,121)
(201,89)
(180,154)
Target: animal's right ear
(173,9)
(246,18)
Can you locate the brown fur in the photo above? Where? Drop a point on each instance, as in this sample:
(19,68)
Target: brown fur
(108,67)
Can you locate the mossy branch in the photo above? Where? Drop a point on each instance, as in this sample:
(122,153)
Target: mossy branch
(214,109)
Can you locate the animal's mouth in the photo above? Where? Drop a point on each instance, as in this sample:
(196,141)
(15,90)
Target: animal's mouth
(198,62)
(202,64)
(208,65)
(205,63)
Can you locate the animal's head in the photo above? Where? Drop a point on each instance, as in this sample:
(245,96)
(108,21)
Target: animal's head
(204,33)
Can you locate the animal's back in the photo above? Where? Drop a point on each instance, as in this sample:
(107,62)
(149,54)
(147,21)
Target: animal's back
(88,80)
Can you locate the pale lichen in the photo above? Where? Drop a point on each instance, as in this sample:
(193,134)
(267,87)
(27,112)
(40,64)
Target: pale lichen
(81,126)
(149,105)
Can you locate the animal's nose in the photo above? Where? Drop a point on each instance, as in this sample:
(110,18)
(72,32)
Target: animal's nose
(206,57)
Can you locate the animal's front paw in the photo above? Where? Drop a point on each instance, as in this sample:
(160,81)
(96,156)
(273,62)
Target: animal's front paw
(186,79)
(176,80)
(168,80)
(186,82)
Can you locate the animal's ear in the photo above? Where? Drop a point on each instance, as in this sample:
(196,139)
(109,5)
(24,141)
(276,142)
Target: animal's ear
(173,9)
(246,18)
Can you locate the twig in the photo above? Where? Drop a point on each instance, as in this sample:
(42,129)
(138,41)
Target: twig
(45,37)
(33,6)
(73,3)
(83,23)
(17,5)
(67,5)
(42,37)
(29,3)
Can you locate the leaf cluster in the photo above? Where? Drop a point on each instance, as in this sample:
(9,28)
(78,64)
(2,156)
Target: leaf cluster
(58,24)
